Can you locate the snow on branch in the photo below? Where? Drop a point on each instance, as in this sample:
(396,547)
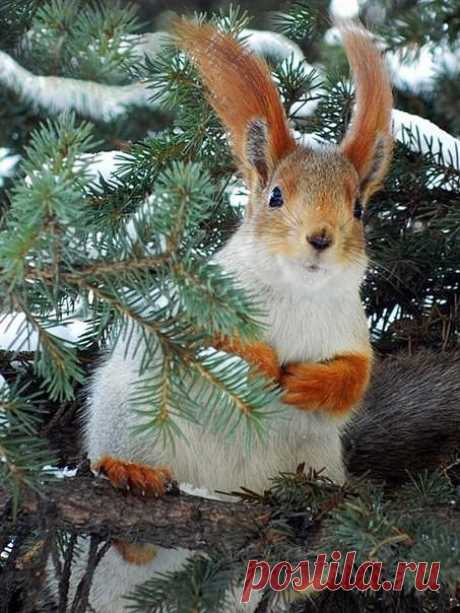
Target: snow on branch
(263,42)
(423,136)
(418,134)
(106,102)
(418,75)
(57,94)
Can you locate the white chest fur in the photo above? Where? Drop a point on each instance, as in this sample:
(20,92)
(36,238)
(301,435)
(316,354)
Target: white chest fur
(303,323)
(315,329)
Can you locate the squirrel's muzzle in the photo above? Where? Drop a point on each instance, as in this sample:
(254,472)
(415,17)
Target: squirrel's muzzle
(320,240)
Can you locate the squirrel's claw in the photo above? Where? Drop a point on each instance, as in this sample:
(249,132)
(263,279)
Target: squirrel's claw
(137,478)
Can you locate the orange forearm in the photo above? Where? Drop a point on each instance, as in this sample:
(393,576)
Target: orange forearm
(257,353)
(335,386)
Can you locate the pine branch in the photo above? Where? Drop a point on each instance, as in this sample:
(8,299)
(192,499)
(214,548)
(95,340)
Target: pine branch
(86,505)
(301,516)
(103,267)
(104,101)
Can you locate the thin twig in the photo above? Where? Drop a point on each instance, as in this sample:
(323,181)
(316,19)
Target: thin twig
(64,580)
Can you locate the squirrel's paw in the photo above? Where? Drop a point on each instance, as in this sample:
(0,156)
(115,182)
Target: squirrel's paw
(137,478)
(303,387)
(258,354)
(336,386)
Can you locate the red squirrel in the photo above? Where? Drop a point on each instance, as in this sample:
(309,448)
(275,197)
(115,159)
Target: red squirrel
(301,248)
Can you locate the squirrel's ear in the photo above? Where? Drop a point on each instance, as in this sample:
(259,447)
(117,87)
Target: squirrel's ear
(368,141)
(257,153)
(242,92)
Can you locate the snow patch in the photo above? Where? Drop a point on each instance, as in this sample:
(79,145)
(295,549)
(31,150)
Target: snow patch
(103,164)
(7,163)
(202,492)
(17,335)
(344,9)
(60,473)
(418,74)
(426,137)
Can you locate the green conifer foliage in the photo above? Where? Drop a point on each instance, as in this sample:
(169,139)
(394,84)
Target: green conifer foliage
(129,254)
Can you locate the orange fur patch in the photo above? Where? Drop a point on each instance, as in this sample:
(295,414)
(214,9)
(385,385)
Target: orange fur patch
(335,386)
(259,354)
(135,554)
(240,88)
(138,478)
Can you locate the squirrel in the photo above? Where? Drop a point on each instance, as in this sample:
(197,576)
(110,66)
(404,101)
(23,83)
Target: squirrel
(301,247)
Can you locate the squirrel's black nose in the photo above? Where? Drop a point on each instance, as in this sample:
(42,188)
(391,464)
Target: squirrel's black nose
(320,241)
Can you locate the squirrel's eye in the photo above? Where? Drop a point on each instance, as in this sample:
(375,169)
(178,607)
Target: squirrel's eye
(358,210)
(276,198)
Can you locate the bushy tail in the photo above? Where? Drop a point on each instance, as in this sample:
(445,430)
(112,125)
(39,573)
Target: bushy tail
(410,420)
